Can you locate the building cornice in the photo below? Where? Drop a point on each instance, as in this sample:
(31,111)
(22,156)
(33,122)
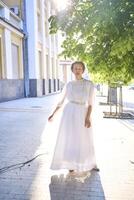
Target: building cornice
(5,22)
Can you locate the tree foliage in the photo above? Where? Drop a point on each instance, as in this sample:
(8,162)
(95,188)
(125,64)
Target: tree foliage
(100,33)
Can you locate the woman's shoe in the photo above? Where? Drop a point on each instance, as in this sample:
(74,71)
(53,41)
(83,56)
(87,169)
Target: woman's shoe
(96,169)
(71,170)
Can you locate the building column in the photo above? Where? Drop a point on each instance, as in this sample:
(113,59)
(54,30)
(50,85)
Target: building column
(44,75)
(32,45)
(50,53)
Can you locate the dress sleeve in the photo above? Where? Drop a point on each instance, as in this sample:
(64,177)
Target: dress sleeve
(91,98)
(62,96)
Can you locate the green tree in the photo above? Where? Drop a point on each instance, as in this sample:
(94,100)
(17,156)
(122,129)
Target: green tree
(101,33)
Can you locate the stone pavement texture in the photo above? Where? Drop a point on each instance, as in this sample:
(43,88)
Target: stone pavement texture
(24,135)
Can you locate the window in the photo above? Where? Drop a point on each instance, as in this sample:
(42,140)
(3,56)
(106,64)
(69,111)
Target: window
(46,28)
(52,41)
(47,66)
(40,64)
(15,60)
(38,15)
(57,67)
(53,67)
(46,19)
(39,22)
(17,56)
(1,58)
(38,4)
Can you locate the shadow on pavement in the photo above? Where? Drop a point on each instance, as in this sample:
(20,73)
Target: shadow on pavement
(20,134)
(77,187)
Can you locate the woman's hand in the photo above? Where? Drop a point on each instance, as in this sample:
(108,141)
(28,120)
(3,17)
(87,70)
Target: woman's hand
(87,122)
(50,118)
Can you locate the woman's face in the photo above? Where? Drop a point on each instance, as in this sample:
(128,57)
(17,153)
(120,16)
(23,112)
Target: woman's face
(77,69)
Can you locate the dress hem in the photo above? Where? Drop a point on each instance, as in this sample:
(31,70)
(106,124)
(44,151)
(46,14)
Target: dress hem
(71,167)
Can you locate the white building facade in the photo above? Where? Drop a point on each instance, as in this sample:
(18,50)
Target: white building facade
(42,48)
(11,55)
(29,64)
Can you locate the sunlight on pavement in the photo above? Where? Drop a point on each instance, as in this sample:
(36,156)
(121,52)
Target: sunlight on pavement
(48,140)
(114,150)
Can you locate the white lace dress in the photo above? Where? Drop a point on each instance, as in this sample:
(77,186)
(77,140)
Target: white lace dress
(74,147)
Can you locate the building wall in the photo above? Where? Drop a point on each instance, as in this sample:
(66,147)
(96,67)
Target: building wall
(43,64)
(14,3)
(42,49)
(11,58)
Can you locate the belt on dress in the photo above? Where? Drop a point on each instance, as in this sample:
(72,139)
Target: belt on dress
(81,103)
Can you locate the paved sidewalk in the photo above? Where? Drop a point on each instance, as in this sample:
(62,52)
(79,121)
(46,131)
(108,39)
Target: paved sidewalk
(24,135)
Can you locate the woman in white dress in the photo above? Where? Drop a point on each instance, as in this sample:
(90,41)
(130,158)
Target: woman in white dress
(74,149)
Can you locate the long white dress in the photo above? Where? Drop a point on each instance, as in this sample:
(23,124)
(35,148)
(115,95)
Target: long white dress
(74,147)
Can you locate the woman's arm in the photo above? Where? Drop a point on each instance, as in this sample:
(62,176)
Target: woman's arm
(89,110)
(50,117)
(60,102)
(90,105)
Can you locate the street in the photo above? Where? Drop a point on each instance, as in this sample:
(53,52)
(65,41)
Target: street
(24,135)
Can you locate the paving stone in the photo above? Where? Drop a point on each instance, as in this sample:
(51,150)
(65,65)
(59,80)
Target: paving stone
(23,136)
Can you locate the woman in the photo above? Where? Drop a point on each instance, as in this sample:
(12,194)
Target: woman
(74,149)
